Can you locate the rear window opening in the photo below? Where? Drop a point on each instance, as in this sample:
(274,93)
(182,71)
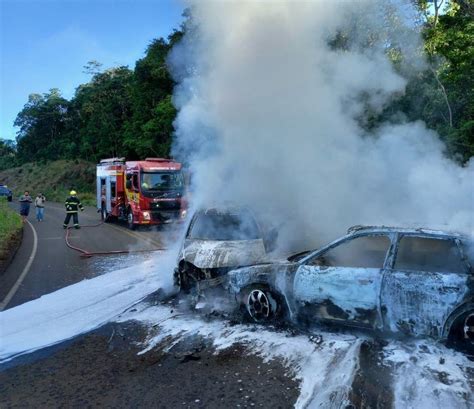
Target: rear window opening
(431,255)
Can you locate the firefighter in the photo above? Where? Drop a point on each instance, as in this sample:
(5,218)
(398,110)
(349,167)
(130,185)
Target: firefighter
(73,204)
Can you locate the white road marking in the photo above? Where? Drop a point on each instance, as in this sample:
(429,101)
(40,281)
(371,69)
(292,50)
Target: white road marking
(23,274)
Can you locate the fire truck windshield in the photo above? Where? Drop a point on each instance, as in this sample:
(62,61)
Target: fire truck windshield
(153,181)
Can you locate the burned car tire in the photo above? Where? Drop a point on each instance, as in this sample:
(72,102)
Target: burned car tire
(462,333)
(262,305)
(182,278)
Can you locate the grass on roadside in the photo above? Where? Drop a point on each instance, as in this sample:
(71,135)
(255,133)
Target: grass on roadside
(10,228)
(54,179)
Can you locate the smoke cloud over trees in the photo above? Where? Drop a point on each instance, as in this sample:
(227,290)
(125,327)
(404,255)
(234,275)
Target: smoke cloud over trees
(289,109)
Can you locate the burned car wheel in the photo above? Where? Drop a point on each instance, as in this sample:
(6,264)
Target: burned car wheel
(181,280)
(262,305)
(462,333)
(185,276)
(468,328)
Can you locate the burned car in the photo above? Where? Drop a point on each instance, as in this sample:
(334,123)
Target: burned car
(218,240)
(410,281)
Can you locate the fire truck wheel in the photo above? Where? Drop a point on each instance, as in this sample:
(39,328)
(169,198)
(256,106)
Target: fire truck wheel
(130,220)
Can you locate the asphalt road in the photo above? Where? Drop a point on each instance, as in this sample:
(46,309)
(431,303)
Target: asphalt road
(103,369)
(44,263)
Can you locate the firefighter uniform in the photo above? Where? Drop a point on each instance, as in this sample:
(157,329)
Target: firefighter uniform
(73,204)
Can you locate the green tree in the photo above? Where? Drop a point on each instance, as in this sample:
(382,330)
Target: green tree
(450,50)
(42,123)
(442,94)
(7,154)
(149,130)
(98,113)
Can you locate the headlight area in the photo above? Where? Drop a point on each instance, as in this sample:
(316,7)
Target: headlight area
(183,213)
(146,216)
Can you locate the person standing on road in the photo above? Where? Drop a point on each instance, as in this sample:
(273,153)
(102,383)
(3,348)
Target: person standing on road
(39,204)
(25,201)
(73,204)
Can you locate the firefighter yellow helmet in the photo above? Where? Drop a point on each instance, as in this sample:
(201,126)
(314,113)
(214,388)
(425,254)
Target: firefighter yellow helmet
(73,193)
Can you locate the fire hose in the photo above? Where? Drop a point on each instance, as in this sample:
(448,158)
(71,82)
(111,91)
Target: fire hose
(86,253)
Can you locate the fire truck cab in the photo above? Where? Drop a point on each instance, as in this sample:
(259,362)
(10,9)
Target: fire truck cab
(147,192)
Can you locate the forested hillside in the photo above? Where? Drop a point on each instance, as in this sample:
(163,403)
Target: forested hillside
(53,178)
(120,112)
(125,112)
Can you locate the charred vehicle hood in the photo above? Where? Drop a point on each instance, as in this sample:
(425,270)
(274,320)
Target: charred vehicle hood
(219,253)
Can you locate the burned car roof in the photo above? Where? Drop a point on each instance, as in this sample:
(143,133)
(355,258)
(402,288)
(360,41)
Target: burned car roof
(404,230)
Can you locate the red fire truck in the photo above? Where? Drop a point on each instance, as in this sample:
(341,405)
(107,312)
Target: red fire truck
(145,192)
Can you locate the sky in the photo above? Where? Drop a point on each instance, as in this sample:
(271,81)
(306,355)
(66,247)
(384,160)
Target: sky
(44,44)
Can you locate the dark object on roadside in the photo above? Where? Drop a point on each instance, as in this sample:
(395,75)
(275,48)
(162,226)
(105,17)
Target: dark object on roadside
(411,281)
(189,356)
(73,204)
(218,240)
(5,192)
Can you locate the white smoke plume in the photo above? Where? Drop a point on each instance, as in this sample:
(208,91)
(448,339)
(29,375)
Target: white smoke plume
(268,117)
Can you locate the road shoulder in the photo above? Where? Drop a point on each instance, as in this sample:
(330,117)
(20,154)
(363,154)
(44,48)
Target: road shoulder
(18,264)
(24,272)
(11,230)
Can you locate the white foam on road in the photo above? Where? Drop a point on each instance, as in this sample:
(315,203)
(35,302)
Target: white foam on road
(325,369)
(425,373)
(75,309)
(429,375)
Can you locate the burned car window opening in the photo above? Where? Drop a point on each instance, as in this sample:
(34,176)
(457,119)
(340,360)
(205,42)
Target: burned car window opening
(359,252)
(225,226)
(428,254)
(156,181)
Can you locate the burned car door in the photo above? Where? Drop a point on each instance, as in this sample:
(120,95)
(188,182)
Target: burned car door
(342,283)
(427,282)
